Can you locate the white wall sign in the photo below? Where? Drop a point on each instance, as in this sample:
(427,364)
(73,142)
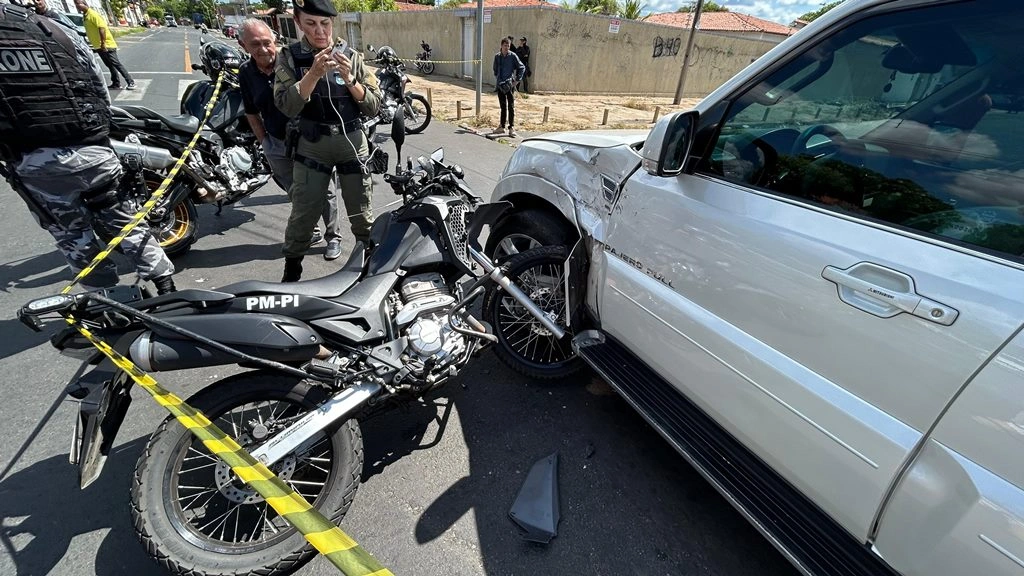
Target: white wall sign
(613,25)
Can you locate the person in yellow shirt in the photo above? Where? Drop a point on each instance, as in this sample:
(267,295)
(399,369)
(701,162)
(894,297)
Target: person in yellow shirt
(102,42)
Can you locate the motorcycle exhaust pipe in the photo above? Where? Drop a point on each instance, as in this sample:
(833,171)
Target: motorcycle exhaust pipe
(155,353)
(152,157)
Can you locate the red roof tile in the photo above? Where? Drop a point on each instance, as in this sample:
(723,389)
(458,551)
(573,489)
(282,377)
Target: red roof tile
(721,22)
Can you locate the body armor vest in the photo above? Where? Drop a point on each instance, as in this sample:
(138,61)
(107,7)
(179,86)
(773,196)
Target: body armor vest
(48,98)
(328,91)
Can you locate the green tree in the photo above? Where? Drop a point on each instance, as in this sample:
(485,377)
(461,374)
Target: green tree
(709,6)
(155,12)
(118,7)
(814,14)
(632,10)
(451,4)
(279,4)
(606,7)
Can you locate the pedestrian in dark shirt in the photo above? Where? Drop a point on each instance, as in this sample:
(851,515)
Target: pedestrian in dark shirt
(256,78)
(524,56)
(507,72)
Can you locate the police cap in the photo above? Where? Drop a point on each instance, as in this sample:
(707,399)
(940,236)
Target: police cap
(316,7)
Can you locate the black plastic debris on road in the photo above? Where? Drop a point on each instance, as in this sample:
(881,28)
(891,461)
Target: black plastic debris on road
(536,507)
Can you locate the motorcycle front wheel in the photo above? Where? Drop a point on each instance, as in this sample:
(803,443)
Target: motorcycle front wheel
(177,228)
(524,344)
(427,67)
(195,517)
(417,114)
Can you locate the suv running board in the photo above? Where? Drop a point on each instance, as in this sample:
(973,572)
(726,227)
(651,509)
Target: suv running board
(808,537)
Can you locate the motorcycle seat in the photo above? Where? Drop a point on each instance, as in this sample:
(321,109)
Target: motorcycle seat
(330,286)
(184,123)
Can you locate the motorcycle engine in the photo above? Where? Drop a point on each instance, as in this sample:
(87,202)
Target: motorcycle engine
(423,319)
(235,162)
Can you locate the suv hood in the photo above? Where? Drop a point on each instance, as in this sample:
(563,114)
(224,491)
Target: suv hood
(580,163)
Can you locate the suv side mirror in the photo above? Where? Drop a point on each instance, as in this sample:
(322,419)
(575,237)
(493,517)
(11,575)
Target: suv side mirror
(668,144)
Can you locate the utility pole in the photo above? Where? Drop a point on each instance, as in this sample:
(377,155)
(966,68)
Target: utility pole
(479,53)
(689,48)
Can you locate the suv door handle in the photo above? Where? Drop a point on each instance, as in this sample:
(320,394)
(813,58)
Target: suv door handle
(885,293)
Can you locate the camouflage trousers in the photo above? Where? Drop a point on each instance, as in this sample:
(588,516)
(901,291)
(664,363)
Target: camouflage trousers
(81,231)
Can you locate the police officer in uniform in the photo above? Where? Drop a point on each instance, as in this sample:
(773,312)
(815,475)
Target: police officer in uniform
(55,150)
(326,91)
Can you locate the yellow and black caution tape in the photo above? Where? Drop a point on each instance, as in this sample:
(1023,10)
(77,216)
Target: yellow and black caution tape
(342,551)
(439,61)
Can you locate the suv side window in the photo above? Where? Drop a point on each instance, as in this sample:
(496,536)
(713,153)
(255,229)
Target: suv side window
(911,118)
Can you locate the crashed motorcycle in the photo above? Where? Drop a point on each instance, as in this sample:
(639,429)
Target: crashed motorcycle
(393,80)
(392,325)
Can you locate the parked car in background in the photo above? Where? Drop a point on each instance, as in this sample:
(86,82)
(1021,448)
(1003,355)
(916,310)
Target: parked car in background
(78,21)
(170,21)
(812,284)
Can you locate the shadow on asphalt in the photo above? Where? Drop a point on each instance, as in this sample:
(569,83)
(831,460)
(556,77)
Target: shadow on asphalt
(622,487)
(43,509)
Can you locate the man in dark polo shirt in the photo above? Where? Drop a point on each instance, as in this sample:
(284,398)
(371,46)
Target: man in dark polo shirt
(256,78)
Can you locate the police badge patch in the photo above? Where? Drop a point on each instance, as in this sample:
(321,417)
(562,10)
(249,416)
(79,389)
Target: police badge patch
(24,61)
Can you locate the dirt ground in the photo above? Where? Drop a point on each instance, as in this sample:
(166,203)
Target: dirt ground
(565,111)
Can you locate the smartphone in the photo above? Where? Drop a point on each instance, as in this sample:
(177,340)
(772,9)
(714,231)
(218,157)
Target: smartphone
(340,47)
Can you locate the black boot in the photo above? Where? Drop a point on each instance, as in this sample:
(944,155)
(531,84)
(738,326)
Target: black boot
(292,269)
(164,285)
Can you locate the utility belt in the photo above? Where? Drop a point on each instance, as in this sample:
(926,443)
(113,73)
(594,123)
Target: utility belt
(312,130)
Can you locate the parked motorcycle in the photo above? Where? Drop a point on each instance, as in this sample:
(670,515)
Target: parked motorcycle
(423,63)
(393,80)
(215,172)
(389,327)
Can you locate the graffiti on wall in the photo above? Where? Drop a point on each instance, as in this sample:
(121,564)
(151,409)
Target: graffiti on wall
(666,46)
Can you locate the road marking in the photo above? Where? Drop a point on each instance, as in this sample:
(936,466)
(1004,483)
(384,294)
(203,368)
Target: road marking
(188,59)
(133,95)
(182,86)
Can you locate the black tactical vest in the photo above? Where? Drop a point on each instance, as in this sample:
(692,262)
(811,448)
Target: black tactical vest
(47,97)
(328,90)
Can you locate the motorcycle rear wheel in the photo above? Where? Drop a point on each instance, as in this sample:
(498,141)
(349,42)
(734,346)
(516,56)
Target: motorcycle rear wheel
(196,518)
(177,231)
(417,114)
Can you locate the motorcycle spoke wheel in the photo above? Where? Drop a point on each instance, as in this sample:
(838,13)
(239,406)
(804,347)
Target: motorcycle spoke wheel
(523,333)
(196,517)
(428,67)
(417,114)
(213,504)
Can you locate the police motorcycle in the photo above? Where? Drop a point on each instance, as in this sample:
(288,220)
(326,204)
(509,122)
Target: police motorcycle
(389,327)
(392,79)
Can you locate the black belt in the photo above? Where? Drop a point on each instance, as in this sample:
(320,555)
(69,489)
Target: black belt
(335,129)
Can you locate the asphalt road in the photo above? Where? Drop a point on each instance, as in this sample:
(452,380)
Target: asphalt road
(439,477)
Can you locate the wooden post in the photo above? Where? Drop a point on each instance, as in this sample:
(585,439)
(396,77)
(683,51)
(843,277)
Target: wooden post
(458,109)
(430,99)
(657,112)
(546,110)
(604,122)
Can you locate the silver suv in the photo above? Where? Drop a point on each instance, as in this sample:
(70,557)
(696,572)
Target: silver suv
(813,286)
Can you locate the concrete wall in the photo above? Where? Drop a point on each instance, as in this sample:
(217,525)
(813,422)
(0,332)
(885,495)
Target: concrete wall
(571,52)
